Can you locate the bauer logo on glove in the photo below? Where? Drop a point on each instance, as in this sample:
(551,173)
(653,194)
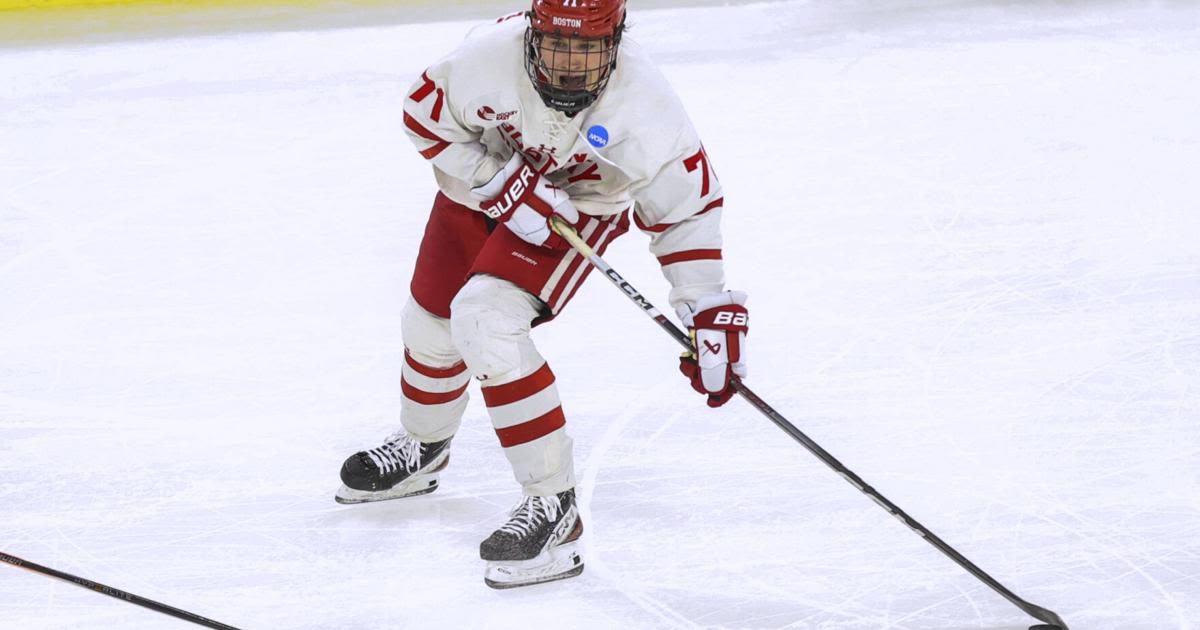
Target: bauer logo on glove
(523,200)
(499,207)
(718,324)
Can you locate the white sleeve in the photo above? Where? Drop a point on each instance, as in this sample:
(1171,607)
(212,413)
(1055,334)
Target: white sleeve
(680,209)
(690,255)
(431,119)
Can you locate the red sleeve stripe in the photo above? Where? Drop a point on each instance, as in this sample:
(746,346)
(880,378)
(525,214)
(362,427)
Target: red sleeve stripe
(423,397)
(519,389)
(649,228)
(691,254)
(433,372)
(717,203)
(540,426)
(663,227)
(416,128)
(434,150)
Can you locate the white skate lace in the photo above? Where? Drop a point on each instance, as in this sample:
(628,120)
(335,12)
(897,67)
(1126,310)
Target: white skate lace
(399,450)
(525,516)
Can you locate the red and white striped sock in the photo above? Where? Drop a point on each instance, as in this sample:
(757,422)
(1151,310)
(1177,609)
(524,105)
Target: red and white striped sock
(528,417)
(433,398)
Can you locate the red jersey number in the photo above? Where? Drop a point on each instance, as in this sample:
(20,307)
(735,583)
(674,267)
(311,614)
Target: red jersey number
(423,92)
(700,161)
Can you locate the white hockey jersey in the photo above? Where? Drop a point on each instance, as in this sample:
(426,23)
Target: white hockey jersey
(633,148)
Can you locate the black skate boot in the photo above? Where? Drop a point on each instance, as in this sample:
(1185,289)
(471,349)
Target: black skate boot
(537,544)
(401,467)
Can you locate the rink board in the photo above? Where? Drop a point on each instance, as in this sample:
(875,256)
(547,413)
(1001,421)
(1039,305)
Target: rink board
(160,5)
(26,23)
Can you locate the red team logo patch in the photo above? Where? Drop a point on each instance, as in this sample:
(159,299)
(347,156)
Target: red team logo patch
(487,113)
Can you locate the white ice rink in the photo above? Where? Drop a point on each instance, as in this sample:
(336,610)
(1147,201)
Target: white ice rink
(971,236)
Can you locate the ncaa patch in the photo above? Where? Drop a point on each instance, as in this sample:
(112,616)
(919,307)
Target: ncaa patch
(597,136)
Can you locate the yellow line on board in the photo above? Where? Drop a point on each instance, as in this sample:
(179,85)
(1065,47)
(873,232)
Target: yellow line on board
(39,22)
(25,5)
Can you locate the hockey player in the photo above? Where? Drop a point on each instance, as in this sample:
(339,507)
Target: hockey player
(552,111)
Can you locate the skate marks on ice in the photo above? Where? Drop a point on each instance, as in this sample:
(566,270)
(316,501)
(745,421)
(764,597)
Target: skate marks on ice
(593,558)
(682,594)
(688,594)
(156,315)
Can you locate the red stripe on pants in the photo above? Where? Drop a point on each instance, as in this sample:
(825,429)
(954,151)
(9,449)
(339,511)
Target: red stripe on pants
(601,230)
(621,228)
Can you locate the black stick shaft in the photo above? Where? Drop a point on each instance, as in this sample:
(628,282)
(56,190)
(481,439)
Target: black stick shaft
(113,592)
(1037,612)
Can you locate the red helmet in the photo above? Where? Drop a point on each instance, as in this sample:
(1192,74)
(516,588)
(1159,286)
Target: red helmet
(571,77)
(578,18)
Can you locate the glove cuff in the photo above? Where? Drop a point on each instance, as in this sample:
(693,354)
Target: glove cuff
(687,311)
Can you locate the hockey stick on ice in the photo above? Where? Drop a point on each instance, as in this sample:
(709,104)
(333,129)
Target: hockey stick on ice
(112,592)
(1051,618)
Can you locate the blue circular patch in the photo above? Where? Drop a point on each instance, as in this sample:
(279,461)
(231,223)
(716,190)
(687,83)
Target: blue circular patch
(597,136)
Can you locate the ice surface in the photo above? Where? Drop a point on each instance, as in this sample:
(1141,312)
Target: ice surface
(969,233)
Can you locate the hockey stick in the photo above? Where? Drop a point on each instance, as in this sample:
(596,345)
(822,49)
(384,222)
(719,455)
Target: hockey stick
(1051,618)
(112,592)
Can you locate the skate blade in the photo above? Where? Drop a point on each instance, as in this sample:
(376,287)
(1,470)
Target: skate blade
(559,563)
(413,486)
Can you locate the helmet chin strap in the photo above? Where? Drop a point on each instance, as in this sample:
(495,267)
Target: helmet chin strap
(569,102)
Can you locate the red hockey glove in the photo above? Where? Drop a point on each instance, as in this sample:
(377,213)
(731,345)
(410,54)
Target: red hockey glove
(518,196)
(718,324)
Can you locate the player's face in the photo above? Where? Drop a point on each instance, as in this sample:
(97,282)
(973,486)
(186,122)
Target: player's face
(572,63)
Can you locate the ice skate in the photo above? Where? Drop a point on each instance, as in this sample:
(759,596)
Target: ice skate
(401,467)
(539,543)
